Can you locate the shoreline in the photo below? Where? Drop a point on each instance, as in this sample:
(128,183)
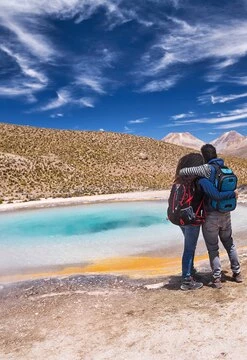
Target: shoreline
(150,195)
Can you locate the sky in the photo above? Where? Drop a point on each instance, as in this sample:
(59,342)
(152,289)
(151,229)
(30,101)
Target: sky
(143,67)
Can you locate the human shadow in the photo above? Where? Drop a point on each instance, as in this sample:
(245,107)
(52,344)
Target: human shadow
(225,277)
(175,280)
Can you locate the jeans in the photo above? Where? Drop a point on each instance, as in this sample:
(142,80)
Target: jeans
(218,225)
(191,234)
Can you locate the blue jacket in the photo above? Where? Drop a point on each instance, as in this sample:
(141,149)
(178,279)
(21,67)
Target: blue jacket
(209,188)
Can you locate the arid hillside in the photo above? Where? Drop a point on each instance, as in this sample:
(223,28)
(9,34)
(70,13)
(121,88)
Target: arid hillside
(37,163)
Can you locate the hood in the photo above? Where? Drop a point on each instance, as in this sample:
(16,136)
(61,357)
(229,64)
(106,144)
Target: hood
(217,161)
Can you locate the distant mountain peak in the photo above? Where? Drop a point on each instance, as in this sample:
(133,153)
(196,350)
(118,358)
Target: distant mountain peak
(185,139)
(229,140)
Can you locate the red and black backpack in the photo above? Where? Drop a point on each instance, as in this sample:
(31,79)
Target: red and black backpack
(182,209)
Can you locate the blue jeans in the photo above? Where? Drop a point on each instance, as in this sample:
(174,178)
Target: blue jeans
(191,234)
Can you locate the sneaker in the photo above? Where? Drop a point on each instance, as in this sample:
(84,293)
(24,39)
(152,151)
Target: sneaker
(217,284)
(237,277)
(190,284)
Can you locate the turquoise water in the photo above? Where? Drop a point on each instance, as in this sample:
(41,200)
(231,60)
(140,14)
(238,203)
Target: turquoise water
(80,234)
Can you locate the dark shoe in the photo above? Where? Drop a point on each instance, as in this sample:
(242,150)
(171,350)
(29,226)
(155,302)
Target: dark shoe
(217,284)
(237,277)
(190,284)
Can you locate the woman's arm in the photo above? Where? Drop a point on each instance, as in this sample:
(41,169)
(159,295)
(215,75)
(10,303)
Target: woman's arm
(202,171)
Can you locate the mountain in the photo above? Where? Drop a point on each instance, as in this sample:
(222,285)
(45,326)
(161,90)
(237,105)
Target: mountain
(240,151)
(184,139)
(229,142)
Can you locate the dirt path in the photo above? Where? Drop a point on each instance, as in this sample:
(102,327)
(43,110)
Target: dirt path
(115,318)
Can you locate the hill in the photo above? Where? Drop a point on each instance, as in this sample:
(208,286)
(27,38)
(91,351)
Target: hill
(39,163)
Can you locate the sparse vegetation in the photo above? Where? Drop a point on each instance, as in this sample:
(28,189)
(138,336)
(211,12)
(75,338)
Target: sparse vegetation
(40,163)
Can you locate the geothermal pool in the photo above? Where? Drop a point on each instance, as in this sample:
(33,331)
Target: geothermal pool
(83,234)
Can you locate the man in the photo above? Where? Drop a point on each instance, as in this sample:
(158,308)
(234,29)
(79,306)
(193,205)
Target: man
(217,224)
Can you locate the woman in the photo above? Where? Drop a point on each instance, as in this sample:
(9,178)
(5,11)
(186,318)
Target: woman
(190,232)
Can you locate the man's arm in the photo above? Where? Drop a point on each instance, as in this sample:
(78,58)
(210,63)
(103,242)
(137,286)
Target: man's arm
(202,171)
(211,191)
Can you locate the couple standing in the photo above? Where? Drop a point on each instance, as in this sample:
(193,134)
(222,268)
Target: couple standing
(200,172)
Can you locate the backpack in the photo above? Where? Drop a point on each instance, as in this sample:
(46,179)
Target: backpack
(180,211)
(225,180)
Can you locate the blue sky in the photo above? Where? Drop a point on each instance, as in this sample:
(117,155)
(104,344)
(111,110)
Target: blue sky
(140,67)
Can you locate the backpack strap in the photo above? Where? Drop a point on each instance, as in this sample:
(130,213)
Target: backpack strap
(217,168)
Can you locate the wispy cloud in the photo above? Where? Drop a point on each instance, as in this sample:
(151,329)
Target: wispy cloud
(128,130)
(35,43)
(221,99)
(187,43)
(161,84)
(89,70)
(15,89)
(85,102)
(28,27)
(138,121)
(58,115)
(26,81)
(93,83)
(62,9)
(226,98)
(239,80)
(183,116)
(232,126)
(221,118)
(25,66)
(65,97)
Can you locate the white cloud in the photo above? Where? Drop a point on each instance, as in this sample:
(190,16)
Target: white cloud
(160,85)
(26,82)
(225,63)
(65,97)
(13,91)
(93,83)
(220,119)
(58,115)
(187,43)
(25,66)
(18,89)
(31,38)
(239,80)
(36,43)
(128,130)
(183,116)
(138,121)
(63,9)
(232,126)
(226,98)
(85,101)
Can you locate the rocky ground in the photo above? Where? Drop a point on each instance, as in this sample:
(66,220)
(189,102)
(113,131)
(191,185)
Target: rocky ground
(108,317)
